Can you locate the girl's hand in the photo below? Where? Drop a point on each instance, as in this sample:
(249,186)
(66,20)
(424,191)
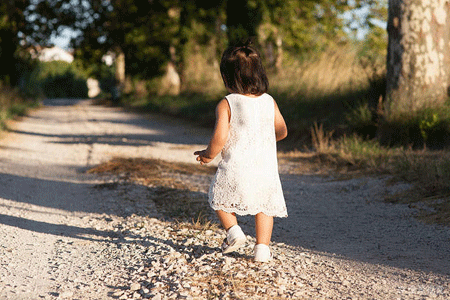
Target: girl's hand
(202,158)
(219,136)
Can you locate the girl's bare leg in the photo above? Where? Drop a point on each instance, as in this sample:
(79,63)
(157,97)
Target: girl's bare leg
(263,226)
(227,220)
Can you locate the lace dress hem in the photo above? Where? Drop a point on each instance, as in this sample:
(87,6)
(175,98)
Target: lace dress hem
(250,212)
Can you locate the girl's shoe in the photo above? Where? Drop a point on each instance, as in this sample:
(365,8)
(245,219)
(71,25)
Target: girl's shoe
(262,253)
(234,240)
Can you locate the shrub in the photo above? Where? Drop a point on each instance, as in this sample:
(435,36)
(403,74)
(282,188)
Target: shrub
(12,103)
(57,79)
(428,128)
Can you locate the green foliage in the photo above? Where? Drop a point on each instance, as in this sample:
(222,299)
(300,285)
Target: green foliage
(426,125)
(146,38)
(361,150)
(304,26)
(360,116)
(429,128)
(12,104)
(57,79)
(243,18)
(199,108)
(142,30)
(374,48)
(14,27)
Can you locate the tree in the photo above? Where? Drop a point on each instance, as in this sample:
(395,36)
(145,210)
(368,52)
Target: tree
(138,33)
(14,30)
(418,56)
(243,18)
(290,26)
(25,24)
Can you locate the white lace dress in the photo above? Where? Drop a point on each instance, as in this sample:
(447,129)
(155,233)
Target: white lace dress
(247,180)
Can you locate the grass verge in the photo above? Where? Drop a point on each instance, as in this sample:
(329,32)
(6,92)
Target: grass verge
(427,171)
(12,105)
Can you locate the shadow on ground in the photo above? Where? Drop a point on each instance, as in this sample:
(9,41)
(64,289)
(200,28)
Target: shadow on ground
(346,218)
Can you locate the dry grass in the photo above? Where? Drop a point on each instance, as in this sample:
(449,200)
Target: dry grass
(321,140)
(336,71)
(223,281)
(173,198)
(201,223)
(151,172)
(427,171)
(430,173)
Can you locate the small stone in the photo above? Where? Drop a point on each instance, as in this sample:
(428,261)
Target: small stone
(186,285)
(135,286)
(66,294)
(118,294)
(157,297)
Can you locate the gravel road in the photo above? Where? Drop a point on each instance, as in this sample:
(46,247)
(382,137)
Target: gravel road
(67,234)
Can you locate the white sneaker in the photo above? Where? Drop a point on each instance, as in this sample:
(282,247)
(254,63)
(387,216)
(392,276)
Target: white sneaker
(262,253)
(234,240)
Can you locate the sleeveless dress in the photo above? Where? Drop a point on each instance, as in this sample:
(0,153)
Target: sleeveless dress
(247,180)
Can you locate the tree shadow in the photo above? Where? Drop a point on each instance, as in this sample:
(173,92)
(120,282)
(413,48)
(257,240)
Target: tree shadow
(350,218)
(114,139)
(62,102)
(88,234)
(346,218)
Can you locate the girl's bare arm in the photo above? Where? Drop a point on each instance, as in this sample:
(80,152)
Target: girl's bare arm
(219,136)
(280,125)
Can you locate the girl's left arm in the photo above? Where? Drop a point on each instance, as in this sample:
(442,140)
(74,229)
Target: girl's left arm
(280,125)
(219,136)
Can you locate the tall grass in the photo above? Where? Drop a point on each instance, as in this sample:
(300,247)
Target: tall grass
(320,89)
(427,171)
(336,71)
(12,104)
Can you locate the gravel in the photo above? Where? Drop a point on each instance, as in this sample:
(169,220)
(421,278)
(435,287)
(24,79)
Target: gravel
(67,234)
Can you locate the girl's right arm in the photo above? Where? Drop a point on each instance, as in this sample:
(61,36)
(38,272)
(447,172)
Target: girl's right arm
(280,125)
(219,136)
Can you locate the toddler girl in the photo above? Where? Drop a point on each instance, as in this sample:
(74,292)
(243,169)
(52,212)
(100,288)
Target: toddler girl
(248,125)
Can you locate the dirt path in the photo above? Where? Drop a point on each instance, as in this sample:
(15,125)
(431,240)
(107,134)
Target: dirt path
(67,234)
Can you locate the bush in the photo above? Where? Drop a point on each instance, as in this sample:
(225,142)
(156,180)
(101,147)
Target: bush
(428,128)
(57,79)
(12,103)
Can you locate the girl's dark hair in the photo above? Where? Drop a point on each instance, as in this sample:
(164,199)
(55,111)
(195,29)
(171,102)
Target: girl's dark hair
(242,70)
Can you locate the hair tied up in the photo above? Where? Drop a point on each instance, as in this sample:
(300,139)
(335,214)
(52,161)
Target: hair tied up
(248,43)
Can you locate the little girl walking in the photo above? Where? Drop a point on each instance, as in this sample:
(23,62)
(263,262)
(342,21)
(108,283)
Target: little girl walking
(248,125)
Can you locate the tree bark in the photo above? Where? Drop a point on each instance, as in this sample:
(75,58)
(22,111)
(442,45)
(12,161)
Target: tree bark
(119,72)
(418,55)
(279,59)
(171,84)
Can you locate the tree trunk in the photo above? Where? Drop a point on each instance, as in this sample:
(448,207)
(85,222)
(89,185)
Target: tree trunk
(119,73)
(171,84)
(418,54)
(279,59)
